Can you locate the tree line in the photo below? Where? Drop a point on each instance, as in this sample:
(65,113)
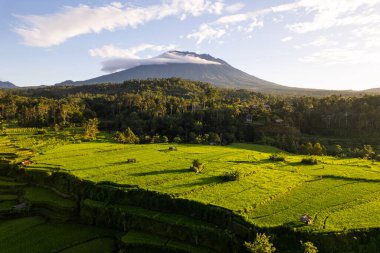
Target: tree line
(195,112)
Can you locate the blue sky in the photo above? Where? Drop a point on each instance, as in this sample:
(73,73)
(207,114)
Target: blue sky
(327,44)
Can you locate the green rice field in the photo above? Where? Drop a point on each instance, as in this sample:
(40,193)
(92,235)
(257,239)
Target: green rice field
(337,193)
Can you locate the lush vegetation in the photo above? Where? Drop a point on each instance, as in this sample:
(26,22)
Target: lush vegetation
(168,109)
(104,155)
(269,193)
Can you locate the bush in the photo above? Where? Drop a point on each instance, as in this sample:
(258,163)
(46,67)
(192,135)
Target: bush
(309,247)
(278,157)
(197,166)
(127,137)
(164,139)
(260,245)
(235,175)
(309,161)
(177,139)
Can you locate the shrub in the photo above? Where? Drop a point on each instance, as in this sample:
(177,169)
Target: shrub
(164,139)
(309,247)
(126,137)
(235,175)
(260,245)
(309,161)
(177,139)
(156,138)
(91,128)
(278,157)
(197,166)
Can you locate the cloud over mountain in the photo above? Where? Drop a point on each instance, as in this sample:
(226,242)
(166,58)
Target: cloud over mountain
(116,64)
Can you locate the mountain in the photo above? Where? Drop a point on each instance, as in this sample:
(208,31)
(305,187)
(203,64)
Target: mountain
(7,85)
(66,83)
(186,65)
(197,67)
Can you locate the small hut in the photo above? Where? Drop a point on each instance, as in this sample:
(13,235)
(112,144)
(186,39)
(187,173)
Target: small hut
(26,162)
(306,219)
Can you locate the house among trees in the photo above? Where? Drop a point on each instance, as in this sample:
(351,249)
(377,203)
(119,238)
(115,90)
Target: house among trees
(306,219)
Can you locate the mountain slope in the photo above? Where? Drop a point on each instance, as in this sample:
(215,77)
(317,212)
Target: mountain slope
(220,75)
(7,85)
(186,65)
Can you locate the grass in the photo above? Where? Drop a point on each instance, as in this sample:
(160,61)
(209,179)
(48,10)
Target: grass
(338,193)
(33,234)
(37,195)
(134,239)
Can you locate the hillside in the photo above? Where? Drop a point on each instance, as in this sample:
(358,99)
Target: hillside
(7,85)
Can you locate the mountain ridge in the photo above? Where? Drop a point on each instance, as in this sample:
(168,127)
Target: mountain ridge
(7,85)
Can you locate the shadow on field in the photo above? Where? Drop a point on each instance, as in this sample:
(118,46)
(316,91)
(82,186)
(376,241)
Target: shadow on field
(294,224)
(8,155)
(203,181)
(264,161)
(161,172)
(364,180)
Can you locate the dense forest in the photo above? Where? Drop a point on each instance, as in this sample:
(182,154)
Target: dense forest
(197,112)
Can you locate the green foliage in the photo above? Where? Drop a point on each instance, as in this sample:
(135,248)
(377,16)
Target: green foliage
(309,161)
(316,149)
(177,139)
(91,128)
(309,247)
(278,157)
(260,245)
(197,166)
(127,137)
(164,139)
(234,175)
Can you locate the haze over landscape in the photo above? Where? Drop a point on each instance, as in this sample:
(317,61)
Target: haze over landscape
(300,43)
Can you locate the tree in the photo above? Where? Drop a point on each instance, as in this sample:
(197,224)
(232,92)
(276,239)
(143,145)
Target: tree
(309,247)
(130,137)
(177,139)
(127,137)
(317,149)
(91,128)
(260,245)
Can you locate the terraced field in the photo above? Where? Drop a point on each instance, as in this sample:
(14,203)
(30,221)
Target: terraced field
(34,234)
(339,194)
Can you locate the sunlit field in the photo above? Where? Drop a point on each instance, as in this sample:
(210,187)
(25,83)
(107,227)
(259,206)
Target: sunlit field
(338,193)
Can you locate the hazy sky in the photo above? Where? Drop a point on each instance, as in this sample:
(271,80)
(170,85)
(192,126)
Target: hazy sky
(328,44)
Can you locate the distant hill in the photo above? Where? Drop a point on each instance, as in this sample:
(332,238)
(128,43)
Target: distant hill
(373,90)
(7,85)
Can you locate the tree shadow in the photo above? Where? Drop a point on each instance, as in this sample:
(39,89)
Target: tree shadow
(161,172)
(203,181)
(363,180)
(8,155)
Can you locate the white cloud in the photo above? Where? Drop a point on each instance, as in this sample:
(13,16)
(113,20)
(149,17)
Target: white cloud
(321,41)
(286,39)
(168,57)
(234,7)
(111,51)
(207,32)
(328,14)
(54,29)
(324,14)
